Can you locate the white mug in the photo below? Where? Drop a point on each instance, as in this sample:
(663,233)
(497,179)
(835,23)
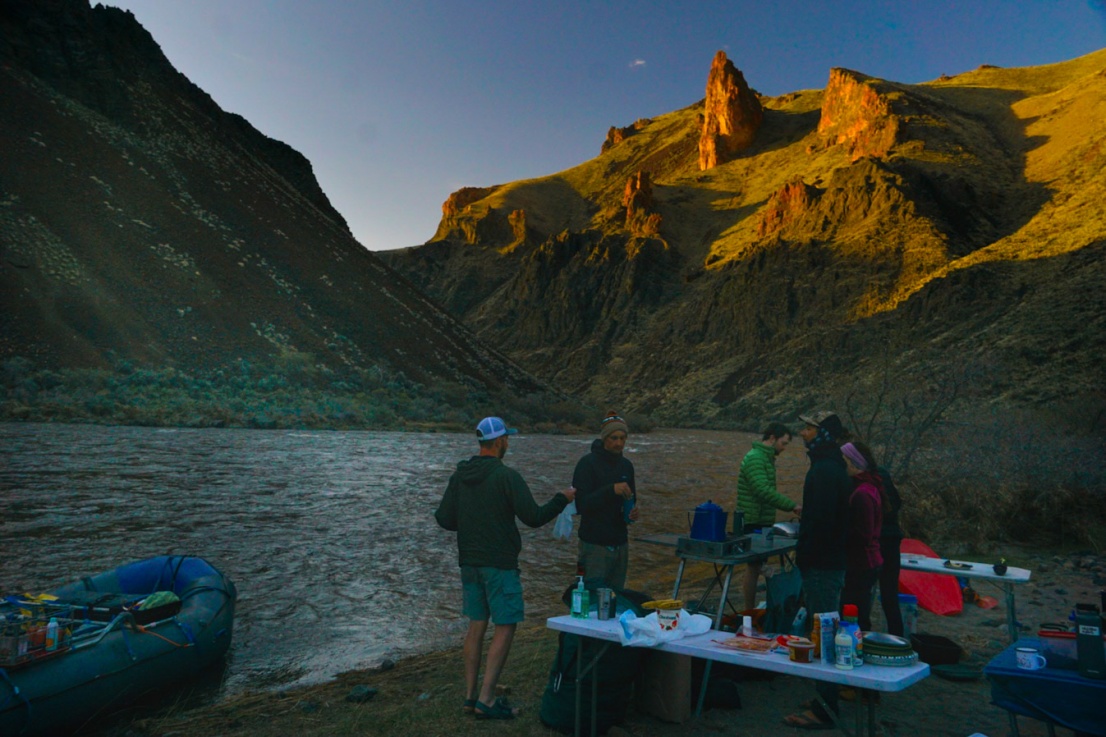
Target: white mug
(1030,659)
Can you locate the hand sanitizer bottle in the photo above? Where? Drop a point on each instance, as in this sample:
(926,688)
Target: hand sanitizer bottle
(580,604)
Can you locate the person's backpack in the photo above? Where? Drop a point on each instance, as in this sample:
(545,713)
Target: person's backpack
(784,591)
(616,670)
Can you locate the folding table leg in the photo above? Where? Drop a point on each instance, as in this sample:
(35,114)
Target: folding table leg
(703,689)
(725,598)
(870,697)
(581,671)
(835,717)
(595,692)
(717,625)
(1011,617)
(579,675)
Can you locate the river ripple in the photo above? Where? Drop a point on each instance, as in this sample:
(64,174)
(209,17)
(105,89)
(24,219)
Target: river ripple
(329,536)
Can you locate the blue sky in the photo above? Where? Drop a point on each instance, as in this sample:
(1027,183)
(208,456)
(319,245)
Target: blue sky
(397,103)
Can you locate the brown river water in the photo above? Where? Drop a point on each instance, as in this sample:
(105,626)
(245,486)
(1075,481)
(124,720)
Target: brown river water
(329,536)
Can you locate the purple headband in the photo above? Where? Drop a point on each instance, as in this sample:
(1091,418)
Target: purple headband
(854,455)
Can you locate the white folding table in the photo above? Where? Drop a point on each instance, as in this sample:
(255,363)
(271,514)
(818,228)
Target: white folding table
(865,679)
(985,571)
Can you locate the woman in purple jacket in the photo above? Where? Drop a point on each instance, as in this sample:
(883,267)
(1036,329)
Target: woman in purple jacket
(862,545)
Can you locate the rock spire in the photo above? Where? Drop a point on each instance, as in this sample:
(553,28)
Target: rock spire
(731,117)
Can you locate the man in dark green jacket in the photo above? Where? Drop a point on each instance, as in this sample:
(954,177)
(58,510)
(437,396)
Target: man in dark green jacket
(480,504)
(757,496)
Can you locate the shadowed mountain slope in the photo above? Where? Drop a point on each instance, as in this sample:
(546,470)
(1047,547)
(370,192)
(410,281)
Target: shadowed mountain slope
(951,231)
(141,224)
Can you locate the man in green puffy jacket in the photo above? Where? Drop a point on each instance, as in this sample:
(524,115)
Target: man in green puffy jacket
(757,496)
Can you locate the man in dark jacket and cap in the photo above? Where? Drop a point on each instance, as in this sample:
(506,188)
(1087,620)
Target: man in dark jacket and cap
(606,498)
(480,504)
(820,551)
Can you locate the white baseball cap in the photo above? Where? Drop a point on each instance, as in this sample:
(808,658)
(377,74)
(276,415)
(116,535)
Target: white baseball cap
(491,428)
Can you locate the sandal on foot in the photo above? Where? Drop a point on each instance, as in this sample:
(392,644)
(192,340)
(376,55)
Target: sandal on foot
(499,710)
(807,720)
(814,706)
(469,706)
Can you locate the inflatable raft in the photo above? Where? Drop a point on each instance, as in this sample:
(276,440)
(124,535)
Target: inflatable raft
(88,647)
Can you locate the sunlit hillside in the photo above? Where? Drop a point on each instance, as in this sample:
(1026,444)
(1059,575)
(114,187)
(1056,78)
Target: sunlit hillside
(926,227)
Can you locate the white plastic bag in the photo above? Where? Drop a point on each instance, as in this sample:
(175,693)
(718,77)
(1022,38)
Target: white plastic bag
(646,631)
(562,528)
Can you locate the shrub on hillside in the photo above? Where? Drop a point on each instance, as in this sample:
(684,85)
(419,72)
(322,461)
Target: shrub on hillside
(1024,475)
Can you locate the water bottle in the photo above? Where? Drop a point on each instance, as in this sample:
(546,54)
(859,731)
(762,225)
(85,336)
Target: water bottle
(908,604)
(1088,641)
(52,634)
(627,507)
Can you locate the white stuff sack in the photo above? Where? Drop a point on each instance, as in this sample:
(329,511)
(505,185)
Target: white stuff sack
(562,528)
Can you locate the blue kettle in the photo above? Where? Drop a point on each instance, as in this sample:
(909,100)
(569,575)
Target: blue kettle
(709,522)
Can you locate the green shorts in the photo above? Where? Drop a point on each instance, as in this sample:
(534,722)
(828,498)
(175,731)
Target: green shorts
(492,591)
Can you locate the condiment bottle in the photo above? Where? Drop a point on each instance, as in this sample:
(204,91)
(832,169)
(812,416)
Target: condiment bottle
(843,644)
(849,614)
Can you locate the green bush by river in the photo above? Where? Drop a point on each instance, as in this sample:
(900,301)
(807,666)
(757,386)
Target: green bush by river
(287,393)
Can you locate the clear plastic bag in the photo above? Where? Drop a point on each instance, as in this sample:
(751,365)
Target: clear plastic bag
(562,528)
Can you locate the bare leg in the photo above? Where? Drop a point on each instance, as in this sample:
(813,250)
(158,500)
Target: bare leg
(749,588)
(497,657)
(474,643)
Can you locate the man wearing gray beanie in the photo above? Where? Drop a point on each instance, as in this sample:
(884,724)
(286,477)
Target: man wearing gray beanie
(606,498)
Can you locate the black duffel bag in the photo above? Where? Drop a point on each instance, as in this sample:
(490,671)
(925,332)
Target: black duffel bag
(618,668)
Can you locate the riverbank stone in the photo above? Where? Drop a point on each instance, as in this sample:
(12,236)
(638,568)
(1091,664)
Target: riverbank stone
(361,694)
